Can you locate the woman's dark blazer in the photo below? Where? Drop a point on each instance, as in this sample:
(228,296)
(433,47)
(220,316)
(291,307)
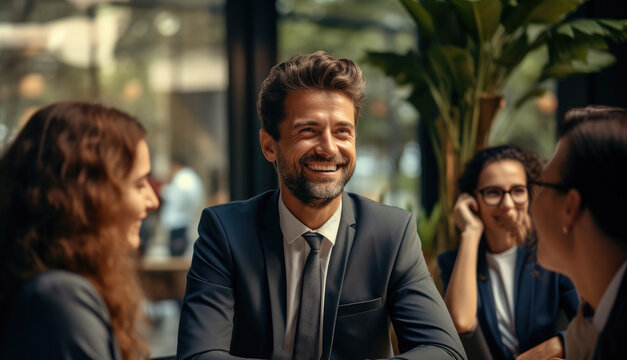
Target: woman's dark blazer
(611,344)
(541,298)
(57,315)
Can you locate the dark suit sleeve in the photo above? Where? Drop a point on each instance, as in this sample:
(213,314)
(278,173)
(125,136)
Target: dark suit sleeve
(206,322)
(59,315)
(423,325)
(446,262)
(474,341)
(569,301)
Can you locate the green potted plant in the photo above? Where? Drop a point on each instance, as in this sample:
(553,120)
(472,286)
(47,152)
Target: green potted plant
(469,49)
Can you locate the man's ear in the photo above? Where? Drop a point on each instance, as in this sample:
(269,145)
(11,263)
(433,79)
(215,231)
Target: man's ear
(268,145)
(572,208)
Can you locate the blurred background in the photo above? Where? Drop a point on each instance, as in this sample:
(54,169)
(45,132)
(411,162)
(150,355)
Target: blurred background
(190,71)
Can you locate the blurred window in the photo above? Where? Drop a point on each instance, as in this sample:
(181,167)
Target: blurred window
(163,61)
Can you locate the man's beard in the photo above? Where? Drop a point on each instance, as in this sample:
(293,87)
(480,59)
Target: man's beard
(314,194)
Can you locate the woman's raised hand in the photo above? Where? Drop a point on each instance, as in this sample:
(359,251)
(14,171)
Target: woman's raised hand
(465,215)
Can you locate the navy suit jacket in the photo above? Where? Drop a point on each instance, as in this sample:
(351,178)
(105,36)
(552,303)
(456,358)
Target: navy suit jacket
(539,298)
(235,301)
(611,344)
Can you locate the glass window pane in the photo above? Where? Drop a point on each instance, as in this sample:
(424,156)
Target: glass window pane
(164,62)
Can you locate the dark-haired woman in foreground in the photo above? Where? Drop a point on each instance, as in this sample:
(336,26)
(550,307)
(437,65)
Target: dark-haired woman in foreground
(503,305)
(73,193)
(580,213)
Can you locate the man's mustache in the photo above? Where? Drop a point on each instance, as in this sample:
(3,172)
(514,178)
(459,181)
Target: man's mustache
(338,159)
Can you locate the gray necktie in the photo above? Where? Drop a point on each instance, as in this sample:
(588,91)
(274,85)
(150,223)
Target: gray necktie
(306,339)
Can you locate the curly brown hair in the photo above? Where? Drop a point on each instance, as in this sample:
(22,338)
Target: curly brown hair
(531,162)
(59,182)
(317,71)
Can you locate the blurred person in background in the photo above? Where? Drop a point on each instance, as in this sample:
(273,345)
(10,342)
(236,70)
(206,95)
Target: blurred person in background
(183,200)
(579,213)
(73,193)
(502,303)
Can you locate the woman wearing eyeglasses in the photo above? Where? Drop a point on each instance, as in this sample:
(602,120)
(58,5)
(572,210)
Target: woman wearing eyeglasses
(580,216)
(502,303)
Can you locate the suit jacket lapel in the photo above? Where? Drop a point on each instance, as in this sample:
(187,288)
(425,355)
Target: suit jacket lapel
(272,244)
(335,273)
(524,295)
(485,294)
(610,344)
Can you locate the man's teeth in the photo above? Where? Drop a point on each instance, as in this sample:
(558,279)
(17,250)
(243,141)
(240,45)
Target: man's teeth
(321,167)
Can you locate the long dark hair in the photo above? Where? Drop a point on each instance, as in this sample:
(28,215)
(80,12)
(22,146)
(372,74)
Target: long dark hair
(59,182)
(596,165)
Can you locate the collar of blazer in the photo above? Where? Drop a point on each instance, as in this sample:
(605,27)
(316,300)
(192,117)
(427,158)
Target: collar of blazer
(272,244)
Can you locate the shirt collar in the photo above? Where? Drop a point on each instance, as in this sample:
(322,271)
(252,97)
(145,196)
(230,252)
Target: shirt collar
(293,228)
(602,311)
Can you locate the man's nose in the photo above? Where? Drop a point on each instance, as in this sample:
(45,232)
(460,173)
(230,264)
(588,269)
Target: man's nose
(326,145)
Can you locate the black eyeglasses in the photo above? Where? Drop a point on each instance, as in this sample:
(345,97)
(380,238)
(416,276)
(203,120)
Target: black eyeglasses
(493,195)
(536,185)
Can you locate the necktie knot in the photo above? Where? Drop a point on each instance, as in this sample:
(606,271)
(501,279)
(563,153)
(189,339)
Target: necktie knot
(313,240)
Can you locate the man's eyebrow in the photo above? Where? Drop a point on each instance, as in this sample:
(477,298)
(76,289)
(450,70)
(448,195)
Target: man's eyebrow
(316,123)
(305,123)
(345,123)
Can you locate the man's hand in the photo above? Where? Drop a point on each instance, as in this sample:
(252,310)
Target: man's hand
(550,349)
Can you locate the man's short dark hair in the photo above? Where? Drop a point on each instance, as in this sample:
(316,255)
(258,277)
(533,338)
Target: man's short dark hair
(317,71)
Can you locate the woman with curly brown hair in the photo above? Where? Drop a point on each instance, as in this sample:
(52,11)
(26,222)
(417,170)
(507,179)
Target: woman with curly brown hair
(503,305)
(73,192)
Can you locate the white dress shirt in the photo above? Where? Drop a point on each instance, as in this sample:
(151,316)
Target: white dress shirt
(296,251)
(583,330)
(502,269)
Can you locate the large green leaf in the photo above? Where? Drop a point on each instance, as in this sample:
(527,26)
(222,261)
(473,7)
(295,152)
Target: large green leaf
(456,64)
(595,61)
(514,49)
(448,27)
(615,25)
(421,17)
(404,69)
(572,40)
(481,17)
(612,29)
(554,11)
(516,14)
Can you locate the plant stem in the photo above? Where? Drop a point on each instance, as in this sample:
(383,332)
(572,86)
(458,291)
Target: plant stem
(444,110)
(481,74)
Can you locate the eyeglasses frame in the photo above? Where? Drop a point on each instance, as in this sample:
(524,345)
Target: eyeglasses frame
(556,186)
(482,191)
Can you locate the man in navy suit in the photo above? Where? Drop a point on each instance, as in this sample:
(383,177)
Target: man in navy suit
(250,283)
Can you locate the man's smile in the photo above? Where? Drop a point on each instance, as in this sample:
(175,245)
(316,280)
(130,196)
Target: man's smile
(322,167)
